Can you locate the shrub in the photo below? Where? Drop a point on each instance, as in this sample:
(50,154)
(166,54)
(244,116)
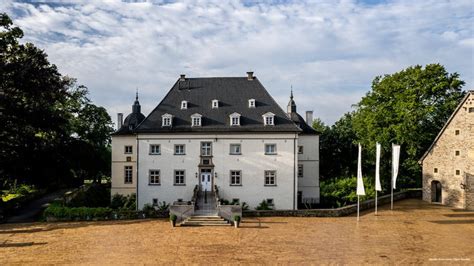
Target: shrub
(245,206)
(263,206)
(237,218)
(163,206)
(173,217)
(131,203)
(148,209)
(342,191)
(77,213)
(118,201)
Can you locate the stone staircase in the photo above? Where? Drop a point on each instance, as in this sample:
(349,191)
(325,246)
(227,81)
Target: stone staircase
(205,221)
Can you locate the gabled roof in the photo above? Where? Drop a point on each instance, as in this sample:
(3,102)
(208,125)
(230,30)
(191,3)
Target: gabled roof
(446,125)
(233,94)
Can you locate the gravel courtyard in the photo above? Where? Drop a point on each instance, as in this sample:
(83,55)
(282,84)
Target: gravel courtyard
(415,232)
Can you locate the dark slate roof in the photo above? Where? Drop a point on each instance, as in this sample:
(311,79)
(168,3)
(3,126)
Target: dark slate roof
(233,95)
(301,123)
(130,123)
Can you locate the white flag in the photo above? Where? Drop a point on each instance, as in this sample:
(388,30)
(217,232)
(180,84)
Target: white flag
(360,182)
(395,163)
(378,187)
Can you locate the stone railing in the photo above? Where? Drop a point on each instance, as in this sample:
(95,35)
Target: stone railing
(227,212)
(337,212)
(185,209)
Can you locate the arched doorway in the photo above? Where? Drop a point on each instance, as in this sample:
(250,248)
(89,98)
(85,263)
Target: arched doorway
(435,191)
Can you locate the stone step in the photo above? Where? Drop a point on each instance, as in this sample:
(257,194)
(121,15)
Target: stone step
(204,224)
(205,221)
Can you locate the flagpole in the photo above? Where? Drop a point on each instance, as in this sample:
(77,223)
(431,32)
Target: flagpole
(375,202)
(391,194)
(357,207)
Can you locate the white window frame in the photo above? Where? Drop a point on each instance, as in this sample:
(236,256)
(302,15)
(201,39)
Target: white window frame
(235,177)
(181,151)
(167,120)
(215,104)
(300,170)
(234,119)
(267,152)
(270,202)
(184,105)
(182,177)
(154,177)
(128,174)
(206,150)
(270,177)
(153,149)
(252,103)
(232,151)
(128,149)
(269,119)
(196,120)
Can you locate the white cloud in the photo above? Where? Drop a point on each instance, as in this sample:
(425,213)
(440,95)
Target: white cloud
(329,51)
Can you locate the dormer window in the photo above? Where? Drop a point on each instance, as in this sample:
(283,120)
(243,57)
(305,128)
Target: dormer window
(215,104)
(234,119)
(252,103)
(167,120)
(184,105)
(269,119)
(196,120)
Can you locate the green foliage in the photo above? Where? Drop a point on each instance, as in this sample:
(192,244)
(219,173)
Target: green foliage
(44,117)
(342,191)
(245,206)
(407,108)
(118,201)
(237,218)
(148,209)
(131,203)
(163,206)
(95,196)
(263,206)
(173,217)
(78,213)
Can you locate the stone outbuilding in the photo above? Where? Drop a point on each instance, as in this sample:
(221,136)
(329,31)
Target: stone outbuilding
(448,165)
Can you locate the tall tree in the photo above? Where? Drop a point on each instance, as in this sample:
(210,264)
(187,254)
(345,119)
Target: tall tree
(407,108)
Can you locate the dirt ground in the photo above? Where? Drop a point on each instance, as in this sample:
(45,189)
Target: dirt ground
(415,232)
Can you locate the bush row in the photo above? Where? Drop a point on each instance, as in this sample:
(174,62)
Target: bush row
(61,213)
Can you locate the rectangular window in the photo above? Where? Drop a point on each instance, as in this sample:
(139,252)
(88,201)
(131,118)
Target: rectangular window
(179,149)
(270,178)
(235,121)
(300,149)
(269,120)
(458,172)
(166,121)
(235,178)
(456,132)
(179,178)
(457,153)
(270,149)
(235,149)
(128,175)
(155,202)
(128,149)
(300,170)
(270,202)
(154,177)
(206,148)
(235,202)
(155,149)
(435,170)
(196,121)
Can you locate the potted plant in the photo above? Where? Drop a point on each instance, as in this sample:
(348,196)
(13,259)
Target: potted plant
(236,221)
(173,219)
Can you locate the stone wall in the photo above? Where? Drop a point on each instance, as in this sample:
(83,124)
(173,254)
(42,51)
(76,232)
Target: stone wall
(338,212)
(451,159)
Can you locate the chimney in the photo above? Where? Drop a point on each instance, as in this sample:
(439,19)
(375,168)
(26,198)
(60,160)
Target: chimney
(249,75)
(119,120)
(309,118)
(182,77)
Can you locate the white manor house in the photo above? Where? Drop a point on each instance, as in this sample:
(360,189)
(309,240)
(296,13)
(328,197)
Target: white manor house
(224,133)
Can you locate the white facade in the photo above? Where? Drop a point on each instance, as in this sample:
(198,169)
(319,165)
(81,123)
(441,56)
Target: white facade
(252,162)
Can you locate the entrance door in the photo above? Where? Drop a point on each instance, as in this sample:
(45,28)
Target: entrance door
(206,183)
(436,191)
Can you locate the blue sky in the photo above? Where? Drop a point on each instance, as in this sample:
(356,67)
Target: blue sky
(328,50)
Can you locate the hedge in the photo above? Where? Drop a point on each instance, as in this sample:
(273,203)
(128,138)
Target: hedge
(61,213)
